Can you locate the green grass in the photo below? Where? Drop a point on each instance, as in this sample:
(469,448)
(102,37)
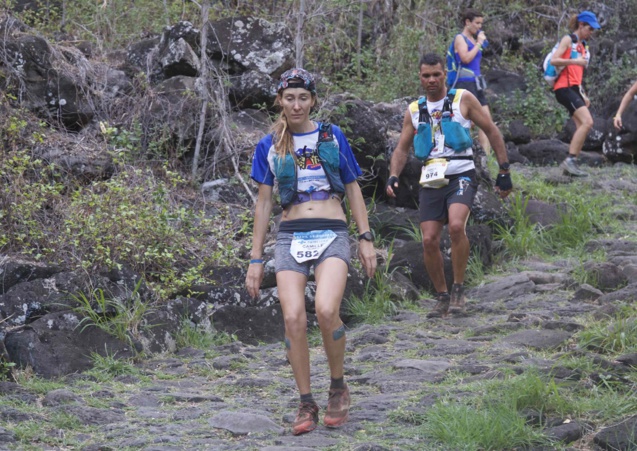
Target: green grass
(619,335)
(121,318)
(107,367)
(583,215)
(199,337)
(491,427)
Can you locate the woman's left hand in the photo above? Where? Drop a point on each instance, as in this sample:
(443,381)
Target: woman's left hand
(367,256)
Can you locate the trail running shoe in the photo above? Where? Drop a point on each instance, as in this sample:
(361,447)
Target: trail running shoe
(441,307)
(458,304)
(307,418)
(337,407)
(570,167)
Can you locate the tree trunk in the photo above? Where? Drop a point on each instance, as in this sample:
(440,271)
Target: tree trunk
(298,40)
(203,73)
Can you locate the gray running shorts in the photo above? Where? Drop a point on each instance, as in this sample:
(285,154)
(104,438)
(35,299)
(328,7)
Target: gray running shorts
(284,261)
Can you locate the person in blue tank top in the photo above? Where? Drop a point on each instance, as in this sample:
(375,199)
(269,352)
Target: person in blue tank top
(468,47)
(314,167)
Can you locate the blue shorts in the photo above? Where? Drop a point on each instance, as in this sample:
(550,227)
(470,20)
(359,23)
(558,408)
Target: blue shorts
(284,261)
(434,202)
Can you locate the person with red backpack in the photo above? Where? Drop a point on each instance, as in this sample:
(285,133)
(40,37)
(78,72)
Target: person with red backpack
(463,63)
(572,54)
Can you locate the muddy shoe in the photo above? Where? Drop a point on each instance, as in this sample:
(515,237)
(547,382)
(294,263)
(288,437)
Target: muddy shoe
(337,407)
(441,307)
(457,305)
(307,418)
(569,167)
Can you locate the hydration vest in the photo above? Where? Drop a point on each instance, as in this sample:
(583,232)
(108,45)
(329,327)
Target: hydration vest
(456,136)
(285,167)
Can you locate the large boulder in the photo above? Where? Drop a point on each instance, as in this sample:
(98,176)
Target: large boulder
(365,128)
(621,145)
(251,43)
(57,345)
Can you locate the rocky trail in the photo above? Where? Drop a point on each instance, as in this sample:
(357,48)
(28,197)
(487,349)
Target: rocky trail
(243,397)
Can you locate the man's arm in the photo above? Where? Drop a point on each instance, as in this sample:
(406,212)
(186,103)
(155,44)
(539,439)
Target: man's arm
(628,97)
(401,153)
(472,110)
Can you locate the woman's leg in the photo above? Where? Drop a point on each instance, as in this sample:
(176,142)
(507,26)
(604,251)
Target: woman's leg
(583,123)
(291,288)
(331,277)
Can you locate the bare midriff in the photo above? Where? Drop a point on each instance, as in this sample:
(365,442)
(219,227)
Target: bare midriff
(323,209)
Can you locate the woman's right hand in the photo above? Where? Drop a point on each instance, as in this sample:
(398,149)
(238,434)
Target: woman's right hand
(481,37)
(254,279)
(617,122)
(580,61)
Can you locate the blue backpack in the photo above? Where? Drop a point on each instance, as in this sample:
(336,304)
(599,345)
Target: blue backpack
(455,70)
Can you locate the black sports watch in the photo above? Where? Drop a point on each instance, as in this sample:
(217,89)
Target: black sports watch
(505,166)
(367,236)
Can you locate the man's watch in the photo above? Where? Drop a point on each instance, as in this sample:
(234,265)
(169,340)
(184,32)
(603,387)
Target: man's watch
(505,166)
(367,236)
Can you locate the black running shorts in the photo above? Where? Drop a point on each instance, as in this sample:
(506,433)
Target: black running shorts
(571,98)
(434,202)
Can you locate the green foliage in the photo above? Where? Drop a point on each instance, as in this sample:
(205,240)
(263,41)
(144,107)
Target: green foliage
(536,106)
(379,300)
(582,213)
(492,426)
(25,205)
(489,417)
(520,238)
(121,318)
(617,336)
(199,337)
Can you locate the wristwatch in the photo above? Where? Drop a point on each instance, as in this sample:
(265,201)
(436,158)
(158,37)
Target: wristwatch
(367,236)
(505,166)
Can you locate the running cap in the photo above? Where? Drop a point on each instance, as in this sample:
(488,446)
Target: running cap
(297,78)
(589,18)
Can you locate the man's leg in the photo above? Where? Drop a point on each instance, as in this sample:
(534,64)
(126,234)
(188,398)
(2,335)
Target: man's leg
(431,232)
(434,263)
(458,216)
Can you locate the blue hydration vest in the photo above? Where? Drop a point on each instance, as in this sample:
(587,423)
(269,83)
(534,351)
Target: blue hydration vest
(285,167)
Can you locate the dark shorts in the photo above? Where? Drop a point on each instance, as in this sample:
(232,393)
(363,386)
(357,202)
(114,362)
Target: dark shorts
(473,89)
(434,202)
(284,261)
(571,98)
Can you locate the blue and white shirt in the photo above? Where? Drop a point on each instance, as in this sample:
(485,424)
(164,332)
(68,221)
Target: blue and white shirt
(310,173)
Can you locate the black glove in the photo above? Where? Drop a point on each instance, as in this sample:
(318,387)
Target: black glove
(391,181)
(503,181)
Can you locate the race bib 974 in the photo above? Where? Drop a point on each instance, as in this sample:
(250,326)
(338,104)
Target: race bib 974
(433,173)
